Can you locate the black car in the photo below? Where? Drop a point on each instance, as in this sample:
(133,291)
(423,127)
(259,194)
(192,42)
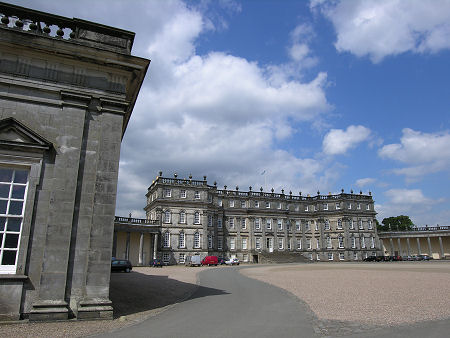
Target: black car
(121,265)
(156,263)
(370,259)
(222,260)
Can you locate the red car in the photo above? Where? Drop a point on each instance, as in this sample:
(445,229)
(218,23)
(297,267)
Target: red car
(210,260)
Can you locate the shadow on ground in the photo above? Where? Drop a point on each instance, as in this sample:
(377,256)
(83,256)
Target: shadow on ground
(136,292)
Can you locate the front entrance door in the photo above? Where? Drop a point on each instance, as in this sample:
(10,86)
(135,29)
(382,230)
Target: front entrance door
(269,244)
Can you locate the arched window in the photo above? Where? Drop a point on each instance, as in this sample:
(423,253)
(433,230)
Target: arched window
(166,216)
(196,217)
(196,240)
(182,216)
(166,239)
(181,240)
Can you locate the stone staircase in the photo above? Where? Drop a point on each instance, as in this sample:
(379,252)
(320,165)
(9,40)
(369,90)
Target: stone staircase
(278,257)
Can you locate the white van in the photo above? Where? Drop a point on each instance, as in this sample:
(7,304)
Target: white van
(194,260)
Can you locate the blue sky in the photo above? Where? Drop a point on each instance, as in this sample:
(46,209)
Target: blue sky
(323,95)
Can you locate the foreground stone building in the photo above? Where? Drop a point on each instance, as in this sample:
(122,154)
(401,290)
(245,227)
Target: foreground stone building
(258,226)
(67,90)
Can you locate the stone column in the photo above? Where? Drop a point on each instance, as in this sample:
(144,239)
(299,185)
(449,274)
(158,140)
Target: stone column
(391,241)
(155,245)
(141,249)
(441,247)
(418,246)
(127,247)
(399,247)
(429,247)
(409,246)
(114,249)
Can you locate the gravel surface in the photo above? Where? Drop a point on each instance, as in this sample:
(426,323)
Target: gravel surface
(371,293)
(136,296)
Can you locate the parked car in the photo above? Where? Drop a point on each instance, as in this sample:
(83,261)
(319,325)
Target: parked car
(156,263)
(222,260)
(210,260)
(121,265)
(426,257)
(232,261)
(396,258)
(370,259)
(194,260)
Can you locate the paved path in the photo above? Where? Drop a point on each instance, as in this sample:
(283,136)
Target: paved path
(228,304)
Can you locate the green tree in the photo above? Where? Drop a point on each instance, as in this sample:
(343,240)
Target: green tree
(398,223)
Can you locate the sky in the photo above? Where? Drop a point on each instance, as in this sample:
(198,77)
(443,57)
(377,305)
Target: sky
(317,95)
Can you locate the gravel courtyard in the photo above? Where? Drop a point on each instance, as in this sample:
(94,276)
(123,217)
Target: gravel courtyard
(371,293)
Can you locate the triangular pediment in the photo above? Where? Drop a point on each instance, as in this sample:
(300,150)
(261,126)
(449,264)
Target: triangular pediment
(15,134)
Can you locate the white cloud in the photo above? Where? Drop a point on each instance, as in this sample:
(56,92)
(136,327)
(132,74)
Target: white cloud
(424,153)
(362,182)
(380,28)
(410,202)
(338,141)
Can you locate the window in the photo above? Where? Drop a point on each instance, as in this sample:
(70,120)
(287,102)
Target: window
(338,206)
(330,256)
(219,243)
(280,243)
(197,195)
(310,256)
(231,203)
(219,202)
(210,241)
(318,256)
(166,239)
(297,207)
(349,206)
(244,243)
(245,257)
(289,244)
(182,217)
(325,206)
(368,206)
(232,243)
(287,206)
(308,243)
(341,242)
(243,224)
(181,258)
(316,225)
(316,207)
(267,205)
(269,224)
(372,243)
(363,243)
(13,190)
(210,198)
(339,224)
(167,192)
(353,239)
(351,225)
(306,208)
(329,245)
(219,223)
(196,240)
(258,243)
(279,205)
(256,204)
(370,225)
(327,225)
(317,243)
(307,226)
(360,224)
(210,220)
(166,216)
(297,225)
(231,222)
(280,224)
(257,224)
(299,243)
(243,204)
(358,206)
(355,256)
(166,257)
(182,193)
(181,240)
(196,217)
(341,256)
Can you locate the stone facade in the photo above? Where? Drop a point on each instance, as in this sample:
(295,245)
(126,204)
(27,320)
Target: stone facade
(67,90)
(197,218)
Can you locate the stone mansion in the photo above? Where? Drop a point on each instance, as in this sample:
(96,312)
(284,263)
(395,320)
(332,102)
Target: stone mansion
(253,226)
